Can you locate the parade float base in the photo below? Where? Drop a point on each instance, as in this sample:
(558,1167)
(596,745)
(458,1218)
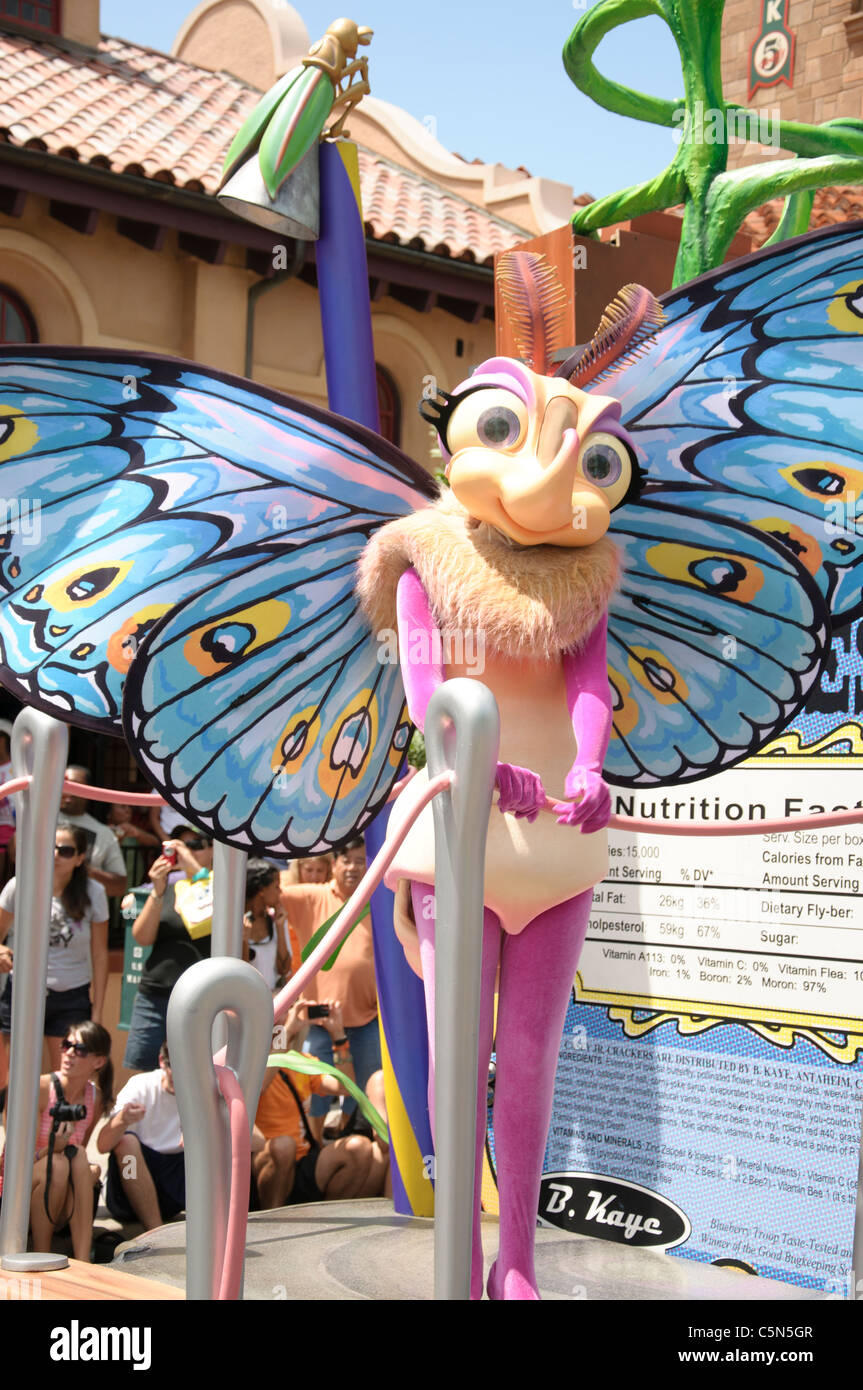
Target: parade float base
(363,1250)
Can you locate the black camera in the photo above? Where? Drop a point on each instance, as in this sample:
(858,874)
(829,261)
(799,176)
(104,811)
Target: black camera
(61,1111)
(64,1113)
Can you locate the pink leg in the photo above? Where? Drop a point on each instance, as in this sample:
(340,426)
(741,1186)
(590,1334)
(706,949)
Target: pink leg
(536,977)
(422,896)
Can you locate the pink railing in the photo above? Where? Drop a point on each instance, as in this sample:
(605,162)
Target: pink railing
(241,1172)
(631,824)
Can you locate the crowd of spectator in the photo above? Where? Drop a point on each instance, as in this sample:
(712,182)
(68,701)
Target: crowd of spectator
(309,1143)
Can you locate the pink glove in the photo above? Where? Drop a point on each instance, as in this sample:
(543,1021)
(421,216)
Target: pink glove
(592,798)
(521,791)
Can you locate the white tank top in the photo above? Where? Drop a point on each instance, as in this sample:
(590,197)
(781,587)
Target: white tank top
(264,959)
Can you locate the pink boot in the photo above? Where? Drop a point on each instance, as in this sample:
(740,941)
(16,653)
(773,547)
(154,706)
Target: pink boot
(536,977)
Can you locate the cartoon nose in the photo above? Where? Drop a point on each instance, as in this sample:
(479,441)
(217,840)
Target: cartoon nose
(538,495)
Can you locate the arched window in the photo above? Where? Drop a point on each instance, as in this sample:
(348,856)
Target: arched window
(389,405)
(16,321)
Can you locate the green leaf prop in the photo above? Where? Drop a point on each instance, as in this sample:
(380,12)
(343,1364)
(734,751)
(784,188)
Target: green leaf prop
(715,201)
(321,933)
(311,1066)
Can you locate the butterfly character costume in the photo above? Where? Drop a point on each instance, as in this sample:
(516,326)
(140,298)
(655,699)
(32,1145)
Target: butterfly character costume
(526,454)
(192,583)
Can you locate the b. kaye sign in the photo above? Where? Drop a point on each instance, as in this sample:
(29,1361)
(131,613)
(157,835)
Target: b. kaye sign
(590,1205)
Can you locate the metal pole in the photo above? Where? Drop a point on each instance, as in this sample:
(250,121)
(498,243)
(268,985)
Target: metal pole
(39,748)
(343,292)
(202,992)
(229,901)
(349,354)
(463,733)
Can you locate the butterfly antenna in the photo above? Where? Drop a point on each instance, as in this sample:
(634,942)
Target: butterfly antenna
(535,305)
(622,336)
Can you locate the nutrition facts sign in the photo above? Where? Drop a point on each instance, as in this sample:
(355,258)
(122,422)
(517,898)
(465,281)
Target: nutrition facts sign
(710,1083)
(751,926)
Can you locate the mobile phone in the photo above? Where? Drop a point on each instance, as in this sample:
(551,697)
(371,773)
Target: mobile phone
(169,853)
(319,1011)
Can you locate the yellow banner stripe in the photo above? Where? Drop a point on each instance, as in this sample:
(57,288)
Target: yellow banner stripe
(417,1185)
(348,151)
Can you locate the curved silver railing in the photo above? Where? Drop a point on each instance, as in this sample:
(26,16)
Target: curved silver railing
(39,748)
(203,992)
(39,753)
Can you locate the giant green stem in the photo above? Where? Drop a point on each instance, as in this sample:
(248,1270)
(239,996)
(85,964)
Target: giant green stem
(715,202)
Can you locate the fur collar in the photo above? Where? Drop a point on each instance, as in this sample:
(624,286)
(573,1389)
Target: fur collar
(532,602)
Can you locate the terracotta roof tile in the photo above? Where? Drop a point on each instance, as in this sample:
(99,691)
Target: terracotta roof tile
(841,204)
(136,111)
(400,205)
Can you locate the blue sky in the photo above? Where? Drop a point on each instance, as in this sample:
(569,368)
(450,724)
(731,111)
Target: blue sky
(490,76)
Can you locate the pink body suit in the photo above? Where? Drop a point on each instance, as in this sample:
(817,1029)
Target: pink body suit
(534,938)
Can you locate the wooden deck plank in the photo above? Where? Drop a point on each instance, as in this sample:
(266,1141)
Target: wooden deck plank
(83,1282)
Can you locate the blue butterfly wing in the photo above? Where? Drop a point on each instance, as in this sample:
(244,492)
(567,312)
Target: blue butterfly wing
(715,636)
(261,709)
(131,485)
(747,412)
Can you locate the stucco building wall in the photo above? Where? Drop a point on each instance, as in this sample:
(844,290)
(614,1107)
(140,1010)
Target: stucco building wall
(104,290)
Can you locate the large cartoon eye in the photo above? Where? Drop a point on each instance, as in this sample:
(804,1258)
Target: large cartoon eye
(606,462)
(601,464)
(498,425)
(487,419)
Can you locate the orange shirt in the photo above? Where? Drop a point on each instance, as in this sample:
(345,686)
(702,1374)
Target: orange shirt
(294,948)
(352,978)
(278,1113)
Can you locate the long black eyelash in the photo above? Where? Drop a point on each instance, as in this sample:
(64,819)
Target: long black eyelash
(438,409)
(636,481)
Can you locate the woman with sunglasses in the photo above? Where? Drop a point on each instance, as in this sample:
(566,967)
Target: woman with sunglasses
(160,925)
(77,943)
(64,1182)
